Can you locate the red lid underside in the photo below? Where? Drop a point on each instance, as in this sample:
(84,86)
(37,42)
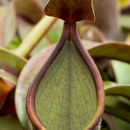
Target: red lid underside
(70,10)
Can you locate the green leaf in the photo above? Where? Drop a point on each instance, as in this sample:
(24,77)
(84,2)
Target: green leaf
(10,67)
(41,45)
(14,43)
(9,122)
(109,124)
(125,21)
(10,62)
(76,10)
(117,51)
(122,125)
(54,33)
(51,37)
(8,76)
(118,106)
(117,89)
(123,75)
(115,105)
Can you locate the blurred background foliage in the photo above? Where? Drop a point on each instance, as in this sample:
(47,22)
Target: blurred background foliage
(124,3)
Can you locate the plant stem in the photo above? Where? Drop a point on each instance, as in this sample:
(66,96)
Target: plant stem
(35,36)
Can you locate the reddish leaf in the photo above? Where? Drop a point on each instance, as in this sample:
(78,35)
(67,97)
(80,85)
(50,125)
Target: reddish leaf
(29,10)
(4,91)
(71,10)
(9,106)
